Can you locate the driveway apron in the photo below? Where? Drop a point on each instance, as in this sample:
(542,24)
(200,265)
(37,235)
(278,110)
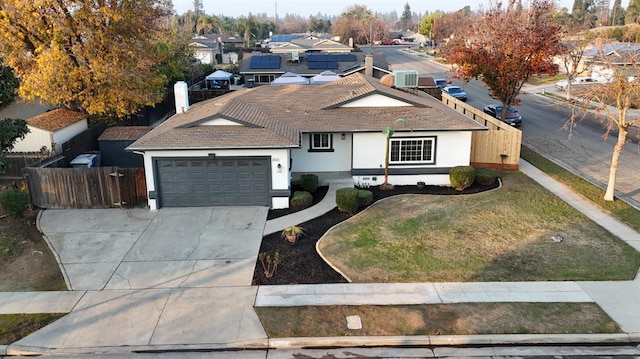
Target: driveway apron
(169,248)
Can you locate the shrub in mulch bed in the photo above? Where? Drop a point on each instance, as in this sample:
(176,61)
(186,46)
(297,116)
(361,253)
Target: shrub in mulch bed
(299,261)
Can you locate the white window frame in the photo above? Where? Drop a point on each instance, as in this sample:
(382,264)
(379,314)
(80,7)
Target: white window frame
(322,148)
(405,143)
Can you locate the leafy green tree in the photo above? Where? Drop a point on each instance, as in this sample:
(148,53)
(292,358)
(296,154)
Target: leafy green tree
(92,56)
(318,25)
(10,131)
(8,86)
(505,47)
(427,25)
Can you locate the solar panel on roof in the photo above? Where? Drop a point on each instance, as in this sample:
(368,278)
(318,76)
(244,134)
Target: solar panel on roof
(265,62)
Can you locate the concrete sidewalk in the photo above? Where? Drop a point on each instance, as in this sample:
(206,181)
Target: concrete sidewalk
(165,317)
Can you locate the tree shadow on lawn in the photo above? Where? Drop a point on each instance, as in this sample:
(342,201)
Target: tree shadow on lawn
(301,264)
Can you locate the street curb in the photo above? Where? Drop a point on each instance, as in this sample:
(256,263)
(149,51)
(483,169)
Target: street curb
(456,340)
(442,341)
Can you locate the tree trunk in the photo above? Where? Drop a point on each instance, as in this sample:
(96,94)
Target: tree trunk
(615,159)
(386,164)
(568,89)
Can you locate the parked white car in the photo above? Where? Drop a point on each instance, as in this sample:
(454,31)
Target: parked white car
(562,84)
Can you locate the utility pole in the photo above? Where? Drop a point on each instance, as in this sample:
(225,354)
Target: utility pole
(276,16)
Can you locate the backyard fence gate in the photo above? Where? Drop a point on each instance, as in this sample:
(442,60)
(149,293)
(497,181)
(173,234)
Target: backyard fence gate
(99,187)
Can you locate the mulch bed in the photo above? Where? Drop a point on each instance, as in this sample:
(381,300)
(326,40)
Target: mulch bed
(300,263)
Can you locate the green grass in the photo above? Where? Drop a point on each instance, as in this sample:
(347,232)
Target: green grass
(503,235)
(13,327)
(8,248)
(437,319)
(617,208)
(545,79)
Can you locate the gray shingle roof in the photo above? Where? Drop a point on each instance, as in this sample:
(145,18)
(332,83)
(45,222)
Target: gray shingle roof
(276,116)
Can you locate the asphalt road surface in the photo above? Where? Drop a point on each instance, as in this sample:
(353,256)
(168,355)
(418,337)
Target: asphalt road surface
(582,147)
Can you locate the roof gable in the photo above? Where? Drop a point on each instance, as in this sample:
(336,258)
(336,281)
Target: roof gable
(56,120)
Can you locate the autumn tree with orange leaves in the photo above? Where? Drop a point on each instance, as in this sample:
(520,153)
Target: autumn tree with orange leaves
(98,57)
(506,46)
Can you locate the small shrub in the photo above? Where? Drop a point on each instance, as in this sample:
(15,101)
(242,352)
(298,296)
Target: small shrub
(301,199)
(309,182)
(365,197)
(485,176)
(269,265)
(296,183)
(462,177)
(347,200)
(292,233)
(14,201)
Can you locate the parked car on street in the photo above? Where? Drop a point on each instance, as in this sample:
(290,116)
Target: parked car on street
(440,83)
(562,84)
(513,118)
(455,91)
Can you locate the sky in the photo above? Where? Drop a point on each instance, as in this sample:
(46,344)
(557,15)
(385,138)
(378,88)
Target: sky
(305,8)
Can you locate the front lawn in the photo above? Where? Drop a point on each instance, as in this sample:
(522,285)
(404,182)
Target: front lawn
(520,232)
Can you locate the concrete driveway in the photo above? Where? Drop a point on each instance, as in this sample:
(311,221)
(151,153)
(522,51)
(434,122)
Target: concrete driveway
(170,248)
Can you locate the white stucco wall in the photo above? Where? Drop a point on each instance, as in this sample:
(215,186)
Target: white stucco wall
(33,141)
(452,149)
(65,134)
(313,162)
(37,138)
(279,176)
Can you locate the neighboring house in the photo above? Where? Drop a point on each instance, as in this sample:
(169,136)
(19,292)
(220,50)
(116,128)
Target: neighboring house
(50,130)
(243,148)
(261,69)
(113,141)
(603,64)
(308,45)
(215,49)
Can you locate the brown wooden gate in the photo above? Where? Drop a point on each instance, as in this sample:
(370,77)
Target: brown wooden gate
(100,187)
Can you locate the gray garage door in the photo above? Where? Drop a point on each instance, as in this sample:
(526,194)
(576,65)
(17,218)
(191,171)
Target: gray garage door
(213,182)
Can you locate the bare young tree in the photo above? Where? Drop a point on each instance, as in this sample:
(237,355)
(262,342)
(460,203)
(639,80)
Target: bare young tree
(612,101)
(572,57)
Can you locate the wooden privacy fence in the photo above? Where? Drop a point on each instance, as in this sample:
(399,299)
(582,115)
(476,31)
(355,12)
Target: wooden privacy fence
(99,187)
(497,148)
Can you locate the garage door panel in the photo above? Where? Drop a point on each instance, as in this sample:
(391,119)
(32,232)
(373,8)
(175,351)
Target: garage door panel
(213,182)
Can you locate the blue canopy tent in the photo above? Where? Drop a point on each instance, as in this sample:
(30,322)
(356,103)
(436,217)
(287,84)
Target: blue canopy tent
(219,80)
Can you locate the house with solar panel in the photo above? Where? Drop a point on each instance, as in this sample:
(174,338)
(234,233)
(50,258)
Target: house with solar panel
(262,69)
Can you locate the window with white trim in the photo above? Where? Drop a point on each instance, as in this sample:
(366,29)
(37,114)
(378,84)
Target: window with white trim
(321,142)
(412,150)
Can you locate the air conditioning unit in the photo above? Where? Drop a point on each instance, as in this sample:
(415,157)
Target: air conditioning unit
(405,78)
(293,56)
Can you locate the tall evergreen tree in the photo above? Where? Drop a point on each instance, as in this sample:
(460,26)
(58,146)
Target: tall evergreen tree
(405,20)
(577,12)
(617,13)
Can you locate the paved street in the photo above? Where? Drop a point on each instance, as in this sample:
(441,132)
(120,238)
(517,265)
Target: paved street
(584,151)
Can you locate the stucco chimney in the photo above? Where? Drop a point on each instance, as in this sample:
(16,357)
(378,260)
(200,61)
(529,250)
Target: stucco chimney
(181,94)
(368,65)
(351,42)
